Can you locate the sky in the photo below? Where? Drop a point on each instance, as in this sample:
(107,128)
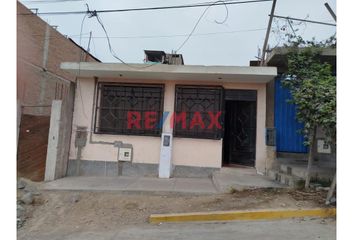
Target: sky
(234,42)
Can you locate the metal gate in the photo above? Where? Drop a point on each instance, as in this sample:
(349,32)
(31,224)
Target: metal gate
(288,138)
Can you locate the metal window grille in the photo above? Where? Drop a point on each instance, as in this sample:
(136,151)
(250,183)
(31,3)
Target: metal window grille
(114,101)
(192,99)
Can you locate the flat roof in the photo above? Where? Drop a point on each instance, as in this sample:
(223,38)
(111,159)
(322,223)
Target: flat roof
(172,72)
(277,56)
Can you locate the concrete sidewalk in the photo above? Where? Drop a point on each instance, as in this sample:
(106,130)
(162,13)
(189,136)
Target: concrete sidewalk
(242,178)
(221,182)
(133,184)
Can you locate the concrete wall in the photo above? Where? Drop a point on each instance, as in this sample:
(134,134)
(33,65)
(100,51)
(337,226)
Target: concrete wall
(59,136)
(186,151)
(40,50)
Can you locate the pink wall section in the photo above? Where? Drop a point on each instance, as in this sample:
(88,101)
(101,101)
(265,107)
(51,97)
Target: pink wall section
(185,151)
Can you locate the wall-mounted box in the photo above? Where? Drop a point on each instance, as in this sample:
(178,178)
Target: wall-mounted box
(270,136)
(125,154)
(323,146)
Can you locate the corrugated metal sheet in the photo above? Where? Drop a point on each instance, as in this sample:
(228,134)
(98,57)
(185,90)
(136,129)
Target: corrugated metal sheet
(288,139)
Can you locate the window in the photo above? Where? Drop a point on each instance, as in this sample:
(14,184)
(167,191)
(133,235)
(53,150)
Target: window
(198,112)
(130,109)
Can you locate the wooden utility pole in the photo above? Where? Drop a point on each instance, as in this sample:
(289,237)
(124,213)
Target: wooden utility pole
(334,181)
(268,32)
(331,11)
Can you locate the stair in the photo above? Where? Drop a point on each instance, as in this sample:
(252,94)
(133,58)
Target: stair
(287,179)
(293,173)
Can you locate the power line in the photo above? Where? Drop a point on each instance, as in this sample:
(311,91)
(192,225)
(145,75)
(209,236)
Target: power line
(200,18)
(305,20)
(174,35)
(160,36)
(51,1)
(150,8)
(94,14)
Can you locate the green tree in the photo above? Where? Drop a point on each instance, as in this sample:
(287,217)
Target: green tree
(313,90)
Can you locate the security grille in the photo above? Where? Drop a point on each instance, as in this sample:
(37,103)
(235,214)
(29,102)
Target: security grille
(115,101)
(195,99)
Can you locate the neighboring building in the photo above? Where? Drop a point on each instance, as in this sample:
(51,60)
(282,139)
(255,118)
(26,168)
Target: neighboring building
(153,56)
(126,112)
(40,50)
(289,150)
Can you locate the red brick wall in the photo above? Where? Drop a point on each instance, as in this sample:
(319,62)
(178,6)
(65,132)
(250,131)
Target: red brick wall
(36,86)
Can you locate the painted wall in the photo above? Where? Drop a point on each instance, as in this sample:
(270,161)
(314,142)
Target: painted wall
(186,151)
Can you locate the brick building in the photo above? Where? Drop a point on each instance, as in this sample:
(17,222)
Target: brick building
(40,50)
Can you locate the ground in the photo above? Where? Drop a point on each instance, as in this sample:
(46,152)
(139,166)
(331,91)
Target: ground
(291,229)
(62,213)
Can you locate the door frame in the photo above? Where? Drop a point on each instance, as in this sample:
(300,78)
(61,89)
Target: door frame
(239,95)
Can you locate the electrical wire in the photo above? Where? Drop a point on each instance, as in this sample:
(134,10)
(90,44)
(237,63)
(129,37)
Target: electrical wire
(112,50)
(51,1)
(150,8)
(199,19)
(79,70)
(161,36)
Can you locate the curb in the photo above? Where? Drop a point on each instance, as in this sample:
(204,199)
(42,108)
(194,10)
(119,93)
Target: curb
(242,215)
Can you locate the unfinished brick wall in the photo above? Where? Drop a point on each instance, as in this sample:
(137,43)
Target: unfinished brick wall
(40,50)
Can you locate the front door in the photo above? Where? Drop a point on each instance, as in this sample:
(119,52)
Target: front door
(240,133)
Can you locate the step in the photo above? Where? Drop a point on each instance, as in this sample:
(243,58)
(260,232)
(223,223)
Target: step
(320,173)
(284,178)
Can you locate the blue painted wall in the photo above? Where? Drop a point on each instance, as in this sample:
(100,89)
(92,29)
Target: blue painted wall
(288,139)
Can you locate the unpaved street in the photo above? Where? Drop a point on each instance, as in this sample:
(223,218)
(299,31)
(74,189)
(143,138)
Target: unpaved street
(117,215)
(295,229)
(107,210)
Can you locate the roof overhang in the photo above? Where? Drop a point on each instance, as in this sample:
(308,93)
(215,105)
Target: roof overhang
(278,56)
(171,72)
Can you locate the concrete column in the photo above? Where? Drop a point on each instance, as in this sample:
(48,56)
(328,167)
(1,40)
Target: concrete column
(19,115)
(44,79)
(53,150)
(165,163)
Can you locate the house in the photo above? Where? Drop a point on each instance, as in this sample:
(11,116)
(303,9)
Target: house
(167,120)
(290,154)
(40,50)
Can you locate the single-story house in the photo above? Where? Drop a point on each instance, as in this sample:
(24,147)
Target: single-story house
(167,120)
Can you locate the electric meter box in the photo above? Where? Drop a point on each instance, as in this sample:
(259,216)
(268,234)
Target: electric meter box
(125,154)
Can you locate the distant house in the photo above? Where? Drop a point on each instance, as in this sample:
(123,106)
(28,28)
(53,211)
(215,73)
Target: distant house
(167,120)
(40,50)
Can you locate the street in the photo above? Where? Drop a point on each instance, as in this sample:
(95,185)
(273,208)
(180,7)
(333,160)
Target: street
(292,229)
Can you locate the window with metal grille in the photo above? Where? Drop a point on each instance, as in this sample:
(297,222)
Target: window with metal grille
(129,109)
(198,112)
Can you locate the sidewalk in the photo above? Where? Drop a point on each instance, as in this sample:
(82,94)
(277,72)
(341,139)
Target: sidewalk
(132,184)
(221,182)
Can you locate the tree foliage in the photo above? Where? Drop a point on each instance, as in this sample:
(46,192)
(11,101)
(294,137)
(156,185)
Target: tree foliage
(313,86)
(313,89)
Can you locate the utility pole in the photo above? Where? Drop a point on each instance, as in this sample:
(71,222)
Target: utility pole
(331,11)
(268,32)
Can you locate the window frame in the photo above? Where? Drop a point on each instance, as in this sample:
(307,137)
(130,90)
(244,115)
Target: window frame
(219,132)
(97,129)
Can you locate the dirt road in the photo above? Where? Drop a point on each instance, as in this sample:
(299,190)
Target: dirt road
(97,211)
(291,229)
